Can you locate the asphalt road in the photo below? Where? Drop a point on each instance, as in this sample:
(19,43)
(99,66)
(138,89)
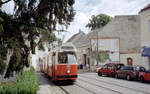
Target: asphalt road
(91,83)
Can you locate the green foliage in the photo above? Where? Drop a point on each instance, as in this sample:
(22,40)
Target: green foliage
(46,14)
(1,27)
(41,47)
(59,41)
(1,20)
(3,52)
(36,19)
(100,56)
(47,36)
(26,84)
(98,21)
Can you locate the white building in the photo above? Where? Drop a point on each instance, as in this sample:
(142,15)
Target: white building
(145,36)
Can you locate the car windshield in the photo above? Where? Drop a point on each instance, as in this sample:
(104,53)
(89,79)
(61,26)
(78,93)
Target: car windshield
(67,58)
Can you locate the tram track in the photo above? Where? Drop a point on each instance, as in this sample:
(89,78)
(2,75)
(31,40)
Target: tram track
(63,89)
(68,92)
(85,88)
(114,84)
(101,86)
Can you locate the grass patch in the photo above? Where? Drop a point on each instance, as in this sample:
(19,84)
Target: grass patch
(27,83)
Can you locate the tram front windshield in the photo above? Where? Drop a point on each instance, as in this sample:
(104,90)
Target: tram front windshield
(67,58)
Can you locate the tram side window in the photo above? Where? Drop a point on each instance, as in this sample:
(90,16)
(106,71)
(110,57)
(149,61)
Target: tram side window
(53,57)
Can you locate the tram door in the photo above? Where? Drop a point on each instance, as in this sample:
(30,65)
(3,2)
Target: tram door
(53,64)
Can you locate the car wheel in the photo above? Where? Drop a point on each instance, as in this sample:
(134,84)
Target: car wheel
(128,77)
(99,74)
(116,75)
(112,74)
(142,79)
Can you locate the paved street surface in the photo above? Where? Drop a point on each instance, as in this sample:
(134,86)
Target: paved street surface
(91,83)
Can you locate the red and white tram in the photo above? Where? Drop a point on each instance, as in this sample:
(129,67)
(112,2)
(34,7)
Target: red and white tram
(41,65)
(61,63)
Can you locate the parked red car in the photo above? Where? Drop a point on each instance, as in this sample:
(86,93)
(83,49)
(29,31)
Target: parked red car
(130,72)
(144,76)
(110,69)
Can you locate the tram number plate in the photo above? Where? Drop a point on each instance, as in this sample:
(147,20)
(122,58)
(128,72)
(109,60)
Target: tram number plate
(68,67)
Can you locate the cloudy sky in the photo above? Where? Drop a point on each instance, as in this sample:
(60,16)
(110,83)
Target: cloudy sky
(85,8)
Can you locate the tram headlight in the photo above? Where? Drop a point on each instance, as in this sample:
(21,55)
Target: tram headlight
(68,71)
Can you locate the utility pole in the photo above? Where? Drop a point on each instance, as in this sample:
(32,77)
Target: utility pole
(97,46)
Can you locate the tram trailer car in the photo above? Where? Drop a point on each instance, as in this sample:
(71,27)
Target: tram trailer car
(41,65)
(62,63)
(46,63)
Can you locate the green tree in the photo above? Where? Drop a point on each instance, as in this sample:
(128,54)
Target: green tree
(98,21)
(101,56)
(32,19)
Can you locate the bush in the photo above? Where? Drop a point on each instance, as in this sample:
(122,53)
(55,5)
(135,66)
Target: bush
(26,84)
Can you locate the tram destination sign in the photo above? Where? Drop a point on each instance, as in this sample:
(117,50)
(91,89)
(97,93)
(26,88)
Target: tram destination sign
(67,47)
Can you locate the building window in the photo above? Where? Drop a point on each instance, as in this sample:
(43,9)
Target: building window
(149,26)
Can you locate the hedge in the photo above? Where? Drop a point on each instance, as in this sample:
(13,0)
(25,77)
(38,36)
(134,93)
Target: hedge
(26,84)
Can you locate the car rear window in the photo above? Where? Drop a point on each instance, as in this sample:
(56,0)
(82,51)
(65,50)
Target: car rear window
(128,68)
(119,66)
(141,69)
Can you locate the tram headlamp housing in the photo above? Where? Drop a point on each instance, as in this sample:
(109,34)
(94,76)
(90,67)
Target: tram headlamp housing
(68,71)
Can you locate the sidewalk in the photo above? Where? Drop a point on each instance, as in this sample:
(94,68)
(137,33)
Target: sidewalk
(83,71)
(47,86)
(44,90)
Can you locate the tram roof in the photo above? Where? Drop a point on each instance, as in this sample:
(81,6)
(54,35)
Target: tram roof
(65,47)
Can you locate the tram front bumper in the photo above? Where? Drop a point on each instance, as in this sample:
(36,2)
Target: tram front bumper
(67,76)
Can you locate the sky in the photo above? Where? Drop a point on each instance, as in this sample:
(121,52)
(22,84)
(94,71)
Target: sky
(86,8)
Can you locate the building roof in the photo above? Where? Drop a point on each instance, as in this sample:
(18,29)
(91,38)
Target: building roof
(85,40)
(145,8)
(75,36)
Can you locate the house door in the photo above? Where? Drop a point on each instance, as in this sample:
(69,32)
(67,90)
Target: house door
(84,58)
(129,61)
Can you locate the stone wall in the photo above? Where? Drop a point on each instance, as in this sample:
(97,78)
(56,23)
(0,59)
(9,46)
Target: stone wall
(135,56)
